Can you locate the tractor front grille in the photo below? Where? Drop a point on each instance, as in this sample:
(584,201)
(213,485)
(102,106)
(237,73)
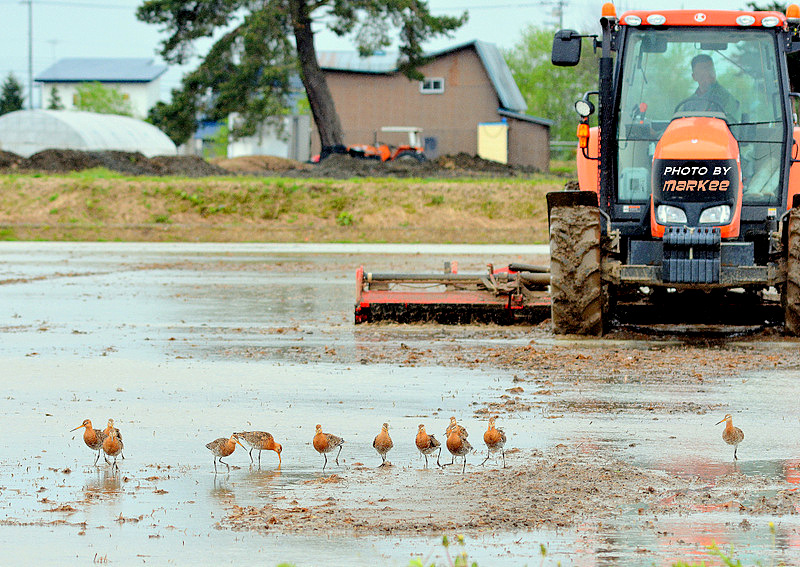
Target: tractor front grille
(691,255)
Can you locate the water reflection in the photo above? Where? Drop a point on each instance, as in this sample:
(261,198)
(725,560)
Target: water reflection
(221,491)
(105,484)
(263,482)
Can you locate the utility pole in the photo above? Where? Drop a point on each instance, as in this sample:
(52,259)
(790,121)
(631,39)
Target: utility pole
(30,53)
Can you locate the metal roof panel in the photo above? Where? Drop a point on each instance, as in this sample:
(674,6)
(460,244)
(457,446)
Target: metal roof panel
(110,70)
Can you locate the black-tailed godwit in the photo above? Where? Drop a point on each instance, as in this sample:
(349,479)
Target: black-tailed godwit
(427,444)
(112,446)
(262,441)
(325,443)
(458,446)
(92,437)
(223,447)
(495,440)
(731,435)
(383,443)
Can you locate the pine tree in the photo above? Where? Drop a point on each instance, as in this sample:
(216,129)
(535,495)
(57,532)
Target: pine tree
(248,68)
(11,98)
(55,100)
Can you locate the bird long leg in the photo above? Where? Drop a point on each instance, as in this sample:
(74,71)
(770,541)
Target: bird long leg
(326,461)
(439,454)
(259,457)
(735,448)
(97,458)
(502,452)
(251,455)
(464,467)
(215,465)
(488,454)
(426,459)
(226,464)
(337,454)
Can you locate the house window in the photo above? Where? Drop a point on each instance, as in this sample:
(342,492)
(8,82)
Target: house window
(433,85)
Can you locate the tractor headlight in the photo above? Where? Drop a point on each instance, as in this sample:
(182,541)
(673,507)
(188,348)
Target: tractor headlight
(716,215)
(667,214)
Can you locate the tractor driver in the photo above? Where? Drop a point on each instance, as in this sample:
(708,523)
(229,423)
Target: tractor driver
(710,95)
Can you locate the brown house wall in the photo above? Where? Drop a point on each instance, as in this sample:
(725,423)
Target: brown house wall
(366,102)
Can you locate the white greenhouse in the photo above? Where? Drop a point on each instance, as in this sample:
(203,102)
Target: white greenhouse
(26,132)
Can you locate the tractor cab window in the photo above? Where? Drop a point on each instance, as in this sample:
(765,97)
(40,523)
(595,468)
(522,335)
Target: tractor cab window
(729,74)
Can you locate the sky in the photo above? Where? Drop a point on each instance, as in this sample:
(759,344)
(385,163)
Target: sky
(109,28)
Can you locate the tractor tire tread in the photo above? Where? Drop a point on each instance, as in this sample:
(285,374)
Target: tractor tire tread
(575,266)
(791,299)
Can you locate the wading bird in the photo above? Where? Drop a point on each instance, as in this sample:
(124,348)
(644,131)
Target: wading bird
(223,447)
(495,440)
(383,443)
(262,441)
(453,425)
(325,443)
(107,432)
(92,437)
(458,446)
(112,446)
(427,444)
(731,435)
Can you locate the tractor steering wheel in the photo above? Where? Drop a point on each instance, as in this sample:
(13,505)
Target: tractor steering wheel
(707,104)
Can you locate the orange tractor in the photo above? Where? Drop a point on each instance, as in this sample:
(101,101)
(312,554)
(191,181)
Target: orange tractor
(412,151)
(689,184)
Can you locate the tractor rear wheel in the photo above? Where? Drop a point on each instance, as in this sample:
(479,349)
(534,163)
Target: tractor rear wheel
(791,291)
(576,286)
(410,156)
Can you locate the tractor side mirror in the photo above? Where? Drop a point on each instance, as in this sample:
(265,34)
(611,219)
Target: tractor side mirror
(566,48)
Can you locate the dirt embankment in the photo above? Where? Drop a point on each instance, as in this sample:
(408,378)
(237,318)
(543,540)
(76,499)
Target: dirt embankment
(258,198)
(335,166)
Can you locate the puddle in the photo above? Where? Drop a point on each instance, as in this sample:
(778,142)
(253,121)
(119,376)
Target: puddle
(182,344)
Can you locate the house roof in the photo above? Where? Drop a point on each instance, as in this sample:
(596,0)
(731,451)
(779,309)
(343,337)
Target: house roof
(525,117)
(104,70)
(386,62)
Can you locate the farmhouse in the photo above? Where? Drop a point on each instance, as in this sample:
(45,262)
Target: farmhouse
(467,100)
(136,78)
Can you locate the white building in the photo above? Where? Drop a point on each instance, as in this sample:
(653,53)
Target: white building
(137,79)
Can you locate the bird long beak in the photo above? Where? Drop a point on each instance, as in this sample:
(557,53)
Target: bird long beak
(720,421)
(81,425)
(240,443)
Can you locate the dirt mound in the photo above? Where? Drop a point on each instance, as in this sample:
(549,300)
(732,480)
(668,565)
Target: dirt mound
(10,160)
(337,166)
(464,161)
(189,166)
(260,164)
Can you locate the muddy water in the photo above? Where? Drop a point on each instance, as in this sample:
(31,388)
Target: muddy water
(182,344)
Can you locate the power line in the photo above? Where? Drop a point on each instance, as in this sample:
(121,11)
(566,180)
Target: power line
(491,7)
(73,4)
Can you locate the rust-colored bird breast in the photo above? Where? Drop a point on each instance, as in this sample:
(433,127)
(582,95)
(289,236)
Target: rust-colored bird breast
(111,446)
(454,442)
(732,435)
(382,442)
(321,443)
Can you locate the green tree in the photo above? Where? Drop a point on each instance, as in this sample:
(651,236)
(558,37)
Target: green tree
(55,100)
(551,91)
(11,98)
(248,68)
(95,97)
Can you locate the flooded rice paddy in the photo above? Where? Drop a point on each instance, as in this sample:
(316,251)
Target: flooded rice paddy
(613,454)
